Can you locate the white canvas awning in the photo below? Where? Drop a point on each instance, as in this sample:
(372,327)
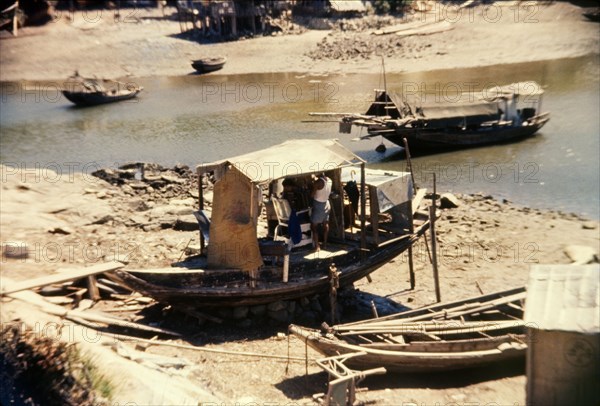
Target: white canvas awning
(291,158)
(393,188)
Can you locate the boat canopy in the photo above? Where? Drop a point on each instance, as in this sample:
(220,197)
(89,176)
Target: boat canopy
(393,188)
(448,112)
(291,158)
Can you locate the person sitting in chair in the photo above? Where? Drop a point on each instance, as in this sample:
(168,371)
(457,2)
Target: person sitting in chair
(321,189)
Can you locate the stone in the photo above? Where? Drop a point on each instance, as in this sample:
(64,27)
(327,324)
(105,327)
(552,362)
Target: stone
(138,185)
(305,303)
(172,179)
(186,223)
(276,306)
(279,315)
(245,323)
(126,173)
(315,305)
(581,254)
(589,225)
(103,219)
(151,227)
(240,312)
(15,249)
(258,310)
(61,230)
(449,201)
(131,165)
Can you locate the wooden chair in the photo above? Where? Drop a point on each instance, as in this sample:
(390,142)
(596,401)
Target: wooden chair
(283,211)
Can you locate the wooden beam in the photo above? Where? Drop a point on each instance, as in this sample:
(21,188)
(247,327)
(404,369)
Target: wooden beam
(76,315)
(92,286)
(416,201)
(61,277)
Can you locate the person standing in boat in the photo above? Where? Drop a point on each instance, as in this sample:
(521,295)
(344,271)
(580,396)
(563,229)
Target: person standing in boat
(321,189)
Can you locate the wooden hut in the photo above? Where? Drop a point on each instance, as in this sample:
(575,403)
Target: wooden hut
(563,318)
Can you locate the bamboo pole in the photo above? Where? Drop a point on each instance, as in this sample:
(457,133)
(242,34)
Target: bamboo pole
(411,268)
(363,209)
(201,208)
(432,209)
(204,349)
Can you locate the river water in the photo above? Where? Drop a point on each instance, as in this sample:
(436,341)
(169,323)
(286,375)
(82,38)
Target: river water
(201,118)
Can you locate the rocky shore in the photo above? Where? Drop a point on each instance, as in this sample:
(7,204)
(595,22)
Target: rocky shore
(140,214)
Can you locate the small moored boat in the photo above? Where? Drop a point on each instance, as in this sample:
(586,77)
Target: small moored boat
(433,122)
(205,65)
(92,92)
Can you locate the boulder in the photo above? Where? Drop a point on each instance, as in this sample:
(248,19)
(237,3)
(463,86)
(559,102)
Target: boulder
(240,312)
(15,249)
(279,315)
(581,254)
(258,310)
(186,223)
(449,201)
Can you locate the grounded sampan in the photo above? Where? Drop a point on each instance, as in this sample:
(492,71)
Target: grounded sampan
(463,334)
(245,264)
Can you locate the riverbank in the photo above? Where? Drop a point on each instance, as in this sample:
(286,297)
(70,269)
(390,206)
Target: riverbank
(75,220)
(143,42)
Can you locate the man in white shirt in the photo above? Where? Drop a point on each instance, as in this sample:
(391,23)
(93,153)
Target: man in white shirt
(321,189)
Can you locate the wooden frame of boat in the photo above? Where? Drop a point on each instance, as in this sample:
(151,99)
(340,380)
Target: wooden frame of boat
(463,334)
(468,120)
(86,92)
(240,267)
(206,65)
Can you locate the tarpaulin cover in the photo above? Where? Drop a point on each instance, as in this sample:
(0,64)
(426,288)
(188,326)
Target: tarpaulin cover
(290,158)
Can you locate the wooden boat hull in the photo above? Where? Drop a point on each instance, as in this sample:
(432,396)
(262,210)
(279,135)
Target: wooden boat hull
(208,65)
(443,138)
(458,355)
(86,99)
(491,337)
(176,285)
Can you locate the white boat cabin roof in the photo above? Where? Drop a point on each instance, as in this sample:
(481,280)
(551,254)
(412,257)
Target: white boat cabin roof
(288,159)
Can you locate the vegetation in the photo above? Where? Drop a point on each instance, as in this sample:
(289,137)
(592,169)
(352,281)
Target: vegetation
(38,370)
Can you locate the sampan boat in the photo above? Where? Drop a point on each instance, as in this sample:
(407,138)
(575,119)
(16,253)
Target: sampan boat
(242,262)
(206,65)
(464,334)
(87,92)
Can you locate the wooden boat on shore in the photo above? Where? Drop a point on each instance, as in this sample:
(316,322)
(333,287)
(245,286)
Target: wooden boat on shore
(206,65)
(243,264)
(463,334)
(495,115)
(87,92)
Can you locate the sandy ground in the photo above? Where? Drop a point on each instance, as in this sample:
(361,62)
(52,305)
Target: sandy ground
(484,244)
(141,42)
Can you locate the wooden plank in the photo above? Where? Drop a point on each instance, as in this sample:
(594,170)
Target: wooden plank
(61,277)
(374,211)
(416,202)
(92,286)
(98,317)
